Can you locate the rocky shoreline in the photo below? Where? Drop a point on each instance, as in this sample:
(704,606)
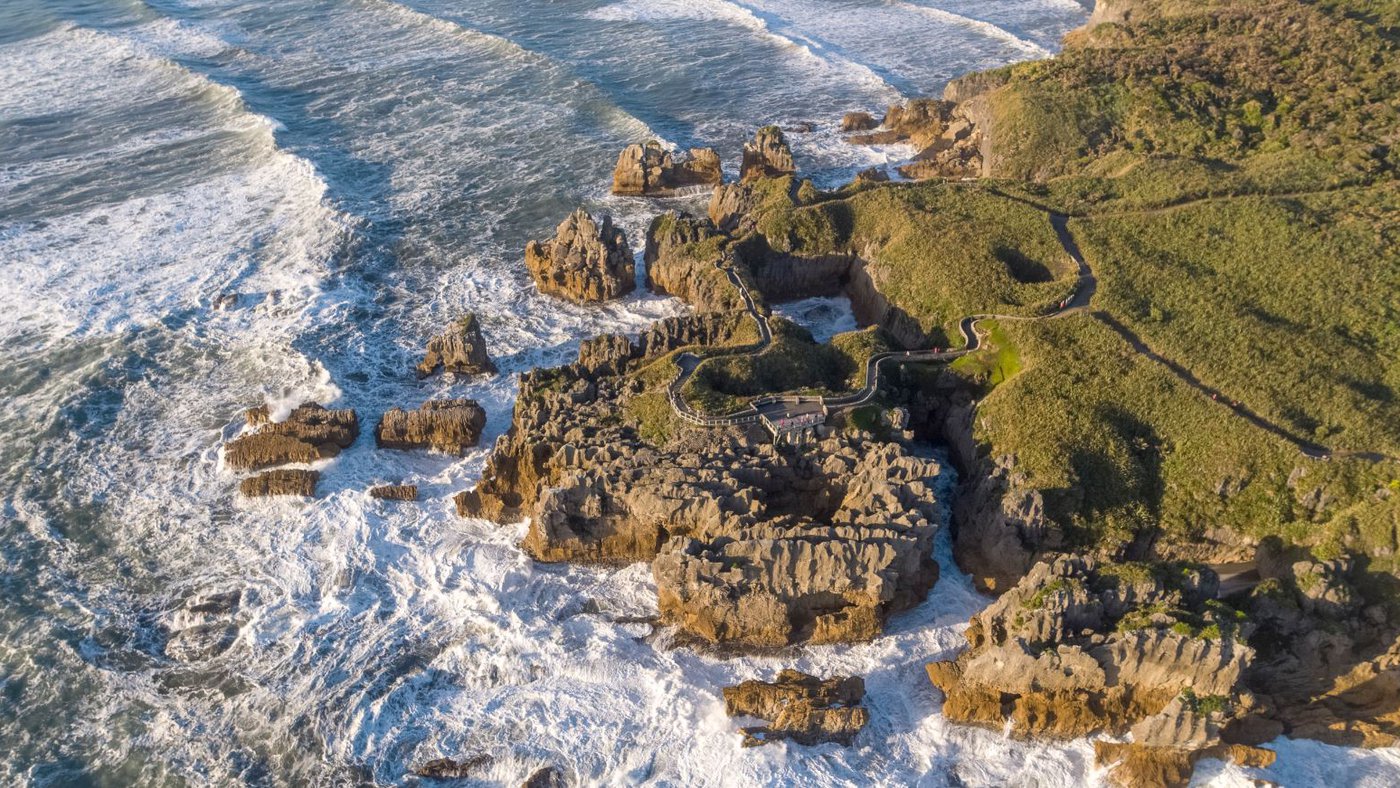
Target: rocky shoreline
(759,545)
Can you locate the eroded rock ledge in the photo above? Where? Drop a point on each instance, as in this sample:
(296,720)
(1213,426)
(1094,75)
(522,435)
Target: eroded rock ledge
(948,135)
(800,708)
(750,544)
(450,425)
(1079,647)
(587,260)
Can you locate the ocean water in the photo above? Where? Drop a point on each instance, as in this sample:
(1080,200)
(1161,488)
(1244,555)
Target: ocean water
(207,204)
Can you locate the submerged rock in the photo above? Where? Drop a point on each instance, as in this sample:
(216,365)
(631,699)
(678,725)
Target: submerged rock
(450,425)
(309,433)
(451,769)
(650,170)
(285,481)
(395,492)
(767,156)
(587,260)
(801,708)
(460,349)
(546,777)
(858,121)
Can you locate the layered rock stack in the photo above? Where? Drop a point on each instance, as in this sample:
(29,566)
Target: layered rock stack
(587,260)
(308,434)
(750,544)
(460,350)
(1079,647)
(767,156)
(946,133)
(800,708)
(858,121)
(651,171)
(451,426)
(687,257)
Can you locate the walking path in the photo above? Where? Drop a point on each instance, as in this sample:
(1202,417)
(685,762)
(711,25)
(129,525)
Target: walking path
(782,407)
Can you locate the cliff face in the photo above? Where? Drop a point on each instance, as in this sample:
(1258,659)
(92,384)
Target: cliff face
(687,258)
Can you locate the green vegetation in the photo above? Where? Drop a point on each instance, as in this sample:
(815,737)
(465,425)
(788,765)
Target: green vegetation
(652,414)
(942,251)
(1287,305)
(996,364)
(1121,447)
(1205,705)
(1043,594)
(794,363)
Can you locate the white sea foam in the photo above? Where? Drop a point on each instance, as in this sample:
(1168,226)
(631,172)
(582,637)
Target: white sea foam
(374,636)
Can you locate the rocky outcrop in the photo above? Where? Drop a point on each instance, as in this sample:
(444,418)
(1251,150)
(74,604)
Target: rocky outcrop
(395,492)
(858,121)
(309,433)
(460,350)
(767,156)
(872,175)
(946,134)
(801,708)
(1079,647)
(587,260)
(750,543)
(451,426)
(285,481)
(687,258)
(651,171)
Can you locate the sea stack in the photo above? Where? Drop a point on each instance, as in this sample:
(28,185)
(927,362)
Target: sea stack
(460,350)
(767,156)
(651,171)
(448,425)
(587,260)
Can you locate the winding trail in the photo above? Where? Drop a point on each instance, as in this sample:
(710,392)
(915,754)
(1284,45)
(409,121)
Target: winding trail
(775,408)
(780,407)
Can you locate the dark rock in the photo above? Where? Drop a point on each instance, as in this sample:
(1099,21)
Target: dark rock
(450,769)
(547,777)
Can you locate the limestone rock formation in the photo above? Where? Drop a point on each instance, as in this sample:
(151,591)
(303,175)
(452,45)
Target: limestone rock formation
(283,481)
(587,260)
(651,171)
(309,433)
(801,708)
(858,121)
(451,426)
(767,156)
(546,777)
(1078,647)
(750,543)
(687,258)
(460,350)
(395,492)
